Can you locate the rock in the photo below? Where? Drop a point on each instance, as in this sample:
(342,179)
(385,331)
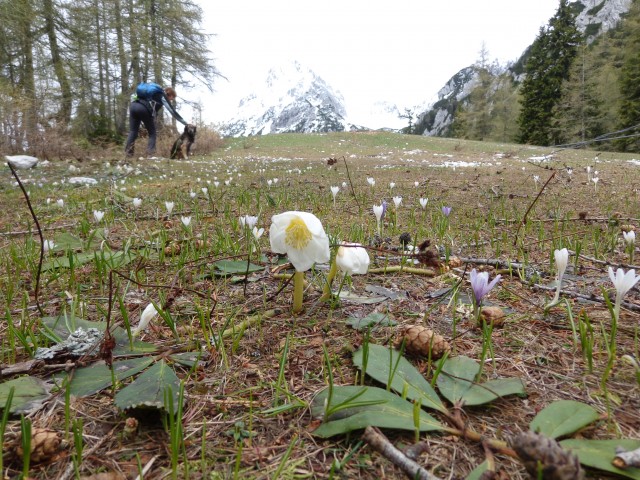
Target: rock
(23,162)
(82,181)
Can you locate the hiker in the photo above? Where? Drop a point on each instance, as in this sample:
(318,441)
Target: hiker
(149,99)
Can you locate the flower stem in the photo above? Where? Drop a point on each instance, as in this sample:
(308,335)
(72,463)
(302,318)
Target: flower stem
(326,293)
(298,291)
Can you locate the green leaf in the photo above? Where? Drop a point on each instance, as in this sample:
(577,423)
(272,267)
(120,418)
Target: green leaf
(187,359)
(477,472)
(29,395)
(149,389)
(367,406)
(456,383)
(66,241)
(599,454)
(113,259)
(89,380)
(234,267)
(563,418)
(373,320)
(381,361)
(63,325)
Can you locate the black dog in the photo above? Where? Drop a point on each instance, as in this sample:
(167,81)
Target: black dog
(182,146)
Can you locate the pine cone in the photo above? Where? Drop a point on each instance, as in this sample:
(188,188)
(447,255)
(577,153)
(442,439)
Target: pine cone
(419,340)
(491,315)
(44,444)
(627,228)
(539,453)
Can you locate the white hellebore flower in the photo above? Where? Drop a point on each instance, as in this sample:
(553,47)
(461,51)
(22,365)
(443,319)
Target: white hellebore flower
(629,237)
(169,206)
(98,215)
(137,202)
(186,221)
(423,202)
(148,314)
(397,201)
(352,258)
(301,236)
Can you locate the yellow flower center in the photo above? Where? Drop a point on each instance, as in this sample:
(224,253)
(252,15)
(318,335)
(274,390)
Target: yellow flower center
(297,234)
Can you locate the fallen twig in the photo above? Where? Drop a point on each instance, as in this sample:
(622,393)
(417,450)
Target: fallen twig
(593,298)
(384,447)
(627,459)
(36,293)
(526,214)
(399,268)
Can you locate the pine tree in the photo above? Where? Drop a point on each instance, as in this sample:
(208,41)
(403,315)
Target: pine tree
(629,113)
(548,65)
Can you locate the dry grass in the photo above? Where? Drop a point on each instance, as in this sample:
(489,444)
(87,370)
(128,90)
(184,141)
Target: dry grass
(233,386)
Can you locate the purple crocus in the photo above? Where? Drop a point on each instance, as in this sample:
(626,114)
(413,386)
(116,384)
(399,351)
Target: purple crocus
(480,284)
(384,207)
(446,211)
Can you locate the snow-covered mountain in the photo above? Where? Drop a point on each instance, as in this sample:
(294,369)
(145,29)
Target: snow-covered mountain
(593,17)
(293,99)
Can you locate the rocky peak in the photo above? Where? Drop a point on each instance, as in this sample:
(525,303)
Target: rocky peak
(291,99)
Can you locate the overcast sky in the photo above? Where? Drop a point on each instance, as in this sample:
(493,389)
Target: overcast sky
(400,51)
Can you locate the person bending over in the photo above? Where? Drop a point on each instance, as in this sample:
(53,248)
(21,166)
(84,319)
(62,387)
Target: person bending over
(146,111)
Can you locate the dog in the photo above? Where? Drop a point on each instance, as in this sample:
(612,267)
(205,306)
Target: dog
(182,146)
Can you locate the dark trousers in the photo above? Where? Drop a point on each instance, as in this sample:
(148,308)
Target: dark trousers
(139,113)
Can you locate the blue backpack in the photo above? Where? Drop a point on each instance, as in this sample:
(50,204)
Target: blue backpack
(146,91)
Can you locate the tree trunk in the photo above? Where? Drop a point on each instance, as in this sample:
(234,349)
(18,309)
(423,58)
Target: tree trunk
(64,114)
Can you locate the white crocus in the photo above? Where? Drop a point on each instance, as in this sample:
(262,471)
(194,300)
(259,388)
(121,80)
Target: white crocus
(248,221)
(378,210)
(257,232)
(148,314)
(630,241)
(205,191)
(137,202)
(344,184)
(98,215)
(416,184)
(334,192)
(397,201)
(629,237)
(169,207)
(371,181)
(391,185)
(352,258)
(623,283)
(302,237)
(562,260)
(48,245)
(186,221)
(60,202)
(423,202)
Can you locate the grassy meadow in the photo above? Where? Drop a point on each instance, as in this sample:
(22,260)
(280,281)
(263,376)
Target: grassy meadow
(232,384)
